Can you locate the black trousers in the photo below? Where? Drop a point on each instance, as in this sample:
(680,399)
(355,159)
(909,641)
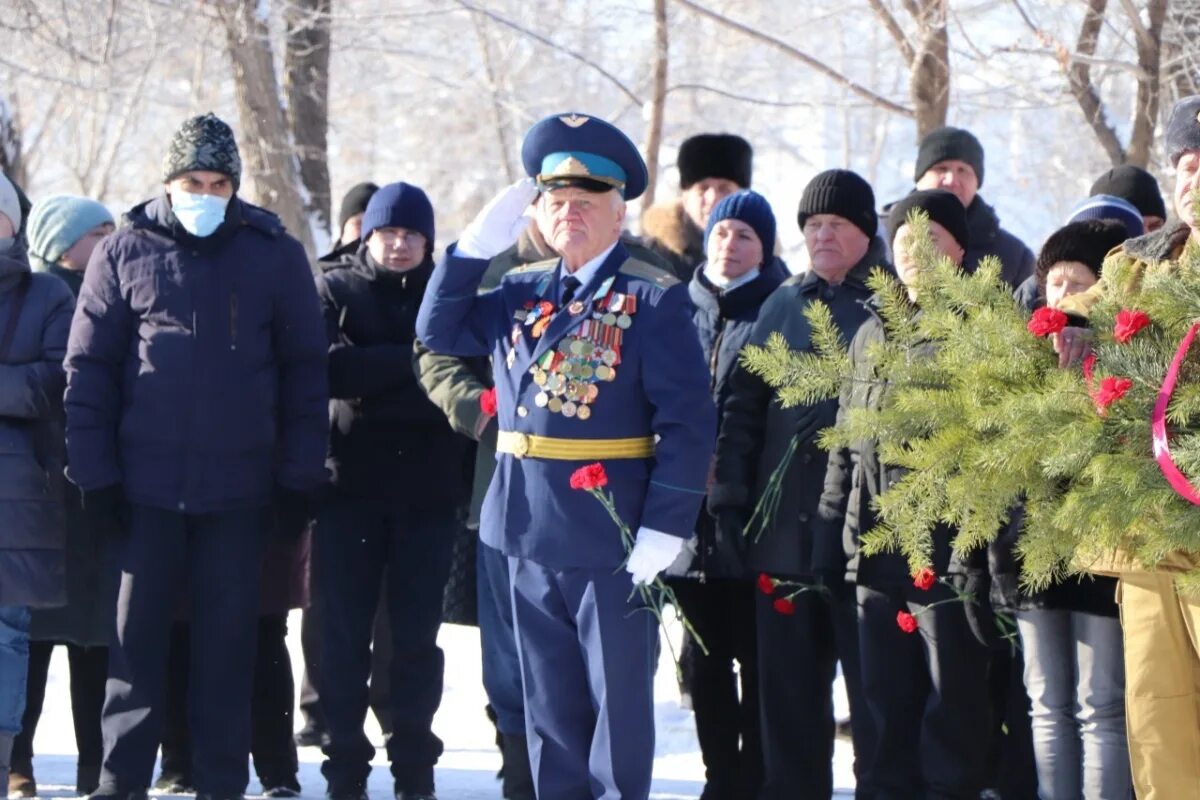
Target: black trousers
(381,657)
(217,558)
(271,743)
(89,670)
(727,721)
(798,656)
(354,543)
(928,693)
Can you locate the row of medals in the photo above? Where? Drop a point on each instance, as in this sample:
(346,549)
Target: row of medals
(568,374)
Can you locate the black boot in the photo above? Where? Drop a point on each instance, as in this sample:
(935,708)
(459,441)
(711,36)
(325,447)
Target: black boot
(87,779)
(218,796)
(6,745)
(108,793)
(518,776)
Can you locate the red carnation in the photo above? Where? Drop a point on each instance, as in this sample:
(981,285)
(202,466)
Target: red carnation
(591,476)
(766,584)
(1111,390)
(924,579)
(487,402)
(784,606)
(906,621)
(1046,321)
(1128,324)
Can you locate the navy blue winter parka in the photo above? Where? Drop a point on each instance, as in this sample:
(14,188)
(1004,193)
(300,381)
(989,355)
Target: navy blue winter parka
(197,368)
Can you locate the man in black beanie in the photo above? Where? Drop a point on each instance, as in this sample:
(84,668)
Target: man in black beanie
(798,652)
(952,159)
(349,227)
(1139,188)
(711,166)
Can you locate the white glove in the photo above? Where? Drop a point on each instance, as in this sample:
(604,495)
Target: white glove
(497,226)
(653,551)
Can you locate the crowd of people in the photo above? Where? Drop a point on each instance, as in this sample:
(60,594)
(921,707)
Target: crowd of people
(199,436)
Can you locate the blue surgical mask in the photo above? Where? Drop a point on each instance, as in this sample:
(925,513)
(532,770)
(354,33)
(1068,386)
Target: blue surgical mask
(199,214)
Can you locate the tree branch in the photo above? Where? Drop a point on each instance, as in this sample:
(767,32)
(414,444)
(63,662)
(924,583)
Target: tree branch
(803,57)
(1079,78)
(893,27)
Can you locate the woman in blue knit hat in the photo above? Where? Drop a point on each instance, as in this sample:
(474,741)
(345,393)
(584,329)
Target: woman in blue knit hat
(63,231)
(727,289)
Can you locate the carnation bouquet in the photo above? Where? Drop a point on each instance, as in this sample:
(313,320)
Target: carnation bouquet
(1104,456)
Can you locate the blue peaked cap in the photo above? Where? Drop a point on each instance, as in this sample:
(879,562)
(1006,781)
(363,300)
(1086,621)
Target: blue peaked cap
(572,145)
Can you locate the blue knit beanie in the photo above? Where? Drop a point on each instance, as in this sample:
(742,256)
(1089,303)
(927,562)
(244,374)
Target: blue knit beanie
(399,205)
(1106,206)
(57,223)
(751,208)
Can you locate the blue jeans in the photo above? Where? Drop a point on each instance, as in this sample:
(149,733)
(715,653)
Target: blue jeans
(14,666)
(1075,676)
(501,664)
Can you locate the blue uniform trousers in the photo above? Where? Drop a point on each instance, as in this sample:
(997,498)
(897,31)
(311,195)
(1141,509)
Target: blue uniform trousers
(498,641)
(587,660)
(217,559)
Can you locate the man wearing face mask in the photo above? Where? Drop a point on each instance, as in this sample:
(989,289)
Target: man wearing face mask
(398,480)
(196,405)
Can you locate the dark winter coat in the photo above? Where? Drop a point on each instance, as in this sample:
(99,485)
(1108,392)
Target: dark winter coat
(91,580)
(31,434)
(756,430)
(387,442)
(989,239)
(856,476)
(673,237)
(196,371)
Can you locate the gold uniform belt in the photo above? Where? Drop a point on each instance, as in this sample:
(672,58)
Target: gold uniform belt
(526,445)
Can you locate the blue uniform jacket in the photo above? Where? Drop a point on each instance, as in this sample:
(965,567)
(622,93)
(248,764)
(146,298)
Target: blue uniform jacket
(196,369)
(661,389)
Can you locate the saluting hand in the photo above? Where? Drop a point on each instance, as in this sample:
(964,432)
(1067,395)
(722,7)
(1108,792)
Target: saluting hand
(497,226)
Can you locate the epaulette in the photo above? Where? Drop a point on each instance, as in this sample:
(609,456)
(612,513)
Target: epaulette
(536,266)
(648,272)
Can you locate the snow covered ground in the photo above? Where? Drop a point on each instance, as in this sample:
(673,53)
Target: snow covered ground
(466,771)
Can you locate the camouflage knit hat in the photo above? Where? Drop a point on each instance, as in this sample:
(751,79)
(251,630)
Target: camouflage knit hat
(203,142)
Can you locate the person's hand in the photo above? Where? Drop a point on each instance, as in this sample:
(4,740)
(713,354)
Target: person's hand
(292,511)
(975,589)
(1072,345)
(108,509)
(725,552)
(497,226)
(653,552)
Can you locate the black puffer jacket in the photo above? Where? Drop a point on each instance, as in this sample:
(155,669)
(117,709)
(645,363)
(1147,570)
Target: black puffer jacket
(855,476)
(989,239)
(756,430)
(387,442)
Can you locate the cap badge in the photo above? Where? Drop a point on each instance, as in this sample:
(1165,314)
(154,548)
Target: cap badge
(573,120)
(571,166)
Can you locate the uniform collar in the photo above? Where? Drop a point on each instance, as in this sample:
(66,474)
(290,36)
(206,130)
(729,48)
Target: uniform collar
(588,271)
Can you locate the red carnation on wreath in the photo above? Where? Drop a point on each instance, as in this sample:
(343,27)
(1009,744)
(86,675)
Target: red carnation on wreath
(487,401)
(1128,324)
(766,584)
(906,621)
(924,579)
(784,606)
(591,476)
(1046,321)
(1111,390)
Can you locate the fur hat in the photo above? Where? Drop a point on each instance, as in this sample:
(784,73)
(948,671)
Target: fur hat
(715,155)
(1087,242)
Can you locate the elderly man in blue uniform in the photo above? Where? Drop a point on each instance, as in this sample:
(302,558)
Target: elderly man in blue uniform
(595,359)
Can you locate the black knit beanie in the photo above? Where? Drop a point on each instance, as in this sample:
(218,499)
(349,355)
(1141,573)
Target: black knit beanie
(1183,128)
(715,155)
(1087,242)
(941,206)
(1135,185)
(841,192)
(355,202)
(947,144)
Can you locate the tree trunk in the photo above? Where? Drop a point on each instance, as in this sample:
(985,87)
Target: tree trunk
(658,101)
(1145,114)
(306,85)
(929,83)
(11,162)
(267,150)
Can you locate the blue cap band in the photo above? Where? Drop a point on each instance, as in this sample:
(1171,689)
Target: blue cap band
(593,166)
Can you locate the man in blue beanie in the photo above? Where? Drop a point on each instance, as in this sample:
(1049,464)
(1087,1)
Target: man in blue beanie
(398,478)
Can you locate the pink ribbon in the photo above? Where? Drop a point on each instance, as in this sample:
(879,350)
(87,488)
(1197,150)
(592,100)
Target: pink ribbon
(1158,424)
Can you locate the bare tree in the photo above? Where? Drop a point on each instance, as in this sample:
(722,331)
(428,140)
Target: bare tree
(266,144)
(306,84)
(926,52)
(11,162)
(658,100)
